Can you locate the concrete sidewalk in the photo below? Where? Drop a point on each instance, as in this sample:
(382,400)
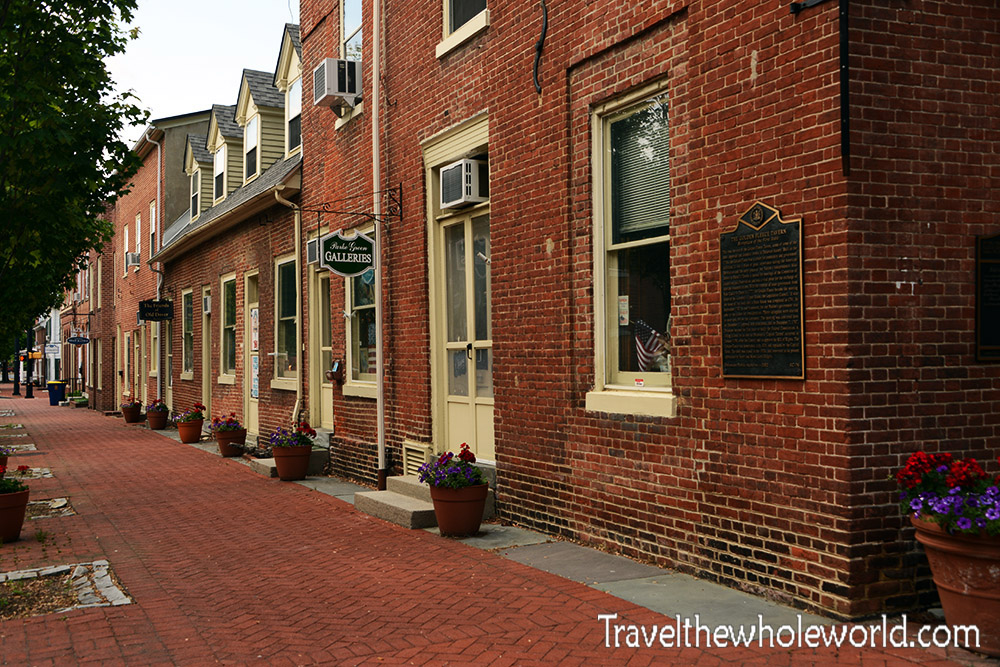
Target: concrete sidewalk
(224,565)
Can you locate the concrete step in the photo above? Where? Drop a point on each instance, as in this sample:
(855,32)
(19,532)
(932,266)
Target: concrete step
(317,464)
(409,485)
(396,508)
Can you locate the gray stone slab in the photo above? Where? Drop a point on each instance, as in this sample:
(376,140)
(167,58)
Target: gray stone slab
(494,536)
(579,563)
(333,487)
(396,508)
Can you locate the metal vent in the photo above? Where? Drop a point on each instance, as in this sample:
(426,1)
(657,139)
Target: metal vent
(414,456)
(312,251)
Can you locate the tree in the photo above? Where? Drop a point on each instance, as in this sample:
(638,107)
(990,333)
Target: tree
(61,161)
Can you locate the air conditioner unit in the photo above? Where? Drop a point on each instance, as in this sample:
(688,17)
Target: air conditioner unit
(138,320)
(312,251)
(464,182)
(131,259)
(206,304)
(336,83)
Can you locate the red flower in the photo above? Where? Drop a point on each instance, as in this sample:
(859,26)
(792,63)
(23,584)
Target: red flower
(23,469)
(466,454)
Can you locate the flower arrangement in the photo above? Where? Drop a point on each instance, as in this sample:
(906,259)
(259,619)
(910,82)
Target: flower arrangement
(157,406)
(300,434)
(10,484)
(130,403)
(453,472)
(955,494)
(230,423)
(192,415)
(6,451)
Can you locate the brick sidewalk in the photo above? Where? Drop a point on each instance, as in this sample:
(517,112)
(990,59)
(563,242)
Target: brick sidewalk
(226,566)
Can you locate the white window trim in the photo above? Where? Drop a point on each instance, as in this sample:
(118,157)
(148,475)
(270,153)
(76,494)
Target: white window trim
(154,351)
(187,375)
(138,240)
(467,31)
(355,387)
(607,397)
(285,383)
(256,173)
(125,253)
(152,227)
(344,39)
(225,378)
(297,149)
(215,173)
(195,183)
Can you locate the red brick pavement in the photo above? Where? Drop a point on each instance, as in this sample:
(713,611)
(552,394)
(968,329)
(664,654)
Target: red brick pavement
(228,567)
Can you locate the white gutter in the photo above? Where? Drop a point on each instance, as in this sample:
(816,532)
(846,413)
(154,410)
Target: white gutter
(377,210)
(159,278)
(298,301)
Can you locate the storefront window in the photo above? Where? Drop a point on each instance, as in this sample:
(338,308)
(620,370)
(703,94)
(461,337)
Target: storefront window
(364,339)
(285,360)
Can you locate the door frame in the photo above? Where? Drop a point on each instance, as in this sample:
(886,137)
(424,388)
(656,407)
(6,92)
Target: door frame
(248,352)
(206,352)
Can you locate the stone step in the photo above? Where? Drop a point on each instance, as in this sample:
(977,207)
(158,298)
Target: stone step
(317,464)
(409,485)
(396,508)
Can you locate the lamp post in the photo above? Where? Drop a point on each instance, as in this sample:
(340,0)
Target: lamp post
(28,389)
(17,366)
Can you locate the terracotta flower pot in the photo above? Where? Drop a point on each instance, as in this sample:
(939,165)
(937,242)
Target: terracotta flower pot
(966,571)
(190,431)
(292,462)
(228,440)
(157,420)
(132,415)
(12,509)
(3,461)
(459,511)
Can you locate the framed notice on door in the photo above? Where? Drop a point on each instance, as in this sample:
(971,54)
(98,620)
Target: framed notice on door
(254,329)
(254,376)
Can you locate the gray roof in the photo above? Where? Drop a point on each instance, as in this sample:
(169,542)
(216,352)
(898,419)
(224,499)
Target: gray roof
(226,118)
(270,178)
(198,150)
(262,89)
(293,32)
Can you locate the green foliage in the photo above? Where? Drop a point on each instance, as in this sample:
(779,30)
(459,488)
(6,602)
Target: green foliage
(61,162)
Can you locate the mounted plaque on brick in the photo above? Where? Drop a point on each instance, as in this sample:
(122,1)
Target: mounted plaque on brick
(761,275)
(988,298)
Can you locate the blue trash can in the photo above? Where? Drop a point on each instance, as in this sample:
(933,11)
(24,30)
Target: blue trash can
(57,392)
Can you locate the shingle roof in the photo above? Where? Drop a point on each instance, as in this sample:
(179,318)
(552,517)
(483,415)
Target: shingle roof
(293,31)
(226,118)
(198,150)
(262,89)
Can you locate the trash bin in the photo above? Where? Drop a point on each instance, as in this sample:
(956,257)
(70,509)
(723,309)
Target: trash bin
(57,392)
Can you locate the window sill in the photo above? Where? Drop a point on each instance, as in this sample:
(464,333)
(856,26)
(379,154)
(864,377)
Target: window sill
(648,403)
(226,379)
(353,113)
(472,27)
(294,151)
(187,376)
(360,390)
(284,384)
(154,374)
(251,179)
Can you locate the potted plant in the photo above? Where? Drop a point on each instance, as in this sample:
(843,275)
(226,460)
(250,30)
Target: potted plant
(291,449)
(230,434)
(458,491)
(156,414)
(955,507)
(131,410)
(4,453)
(13,503)
(189,423)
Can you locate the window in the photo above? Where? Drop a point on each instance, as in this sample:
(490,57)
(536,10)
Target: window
(351,33)
(138,236)
(220,172)
(100,281)
(250,150)
(100,364)
(325,330)
(227,363)
(363,348)
(170,353)
(195,191)
(461,12)
(127,352)
(286,307)
(125,251)
(152,227)
(187,332)
(154,348)
(293,112)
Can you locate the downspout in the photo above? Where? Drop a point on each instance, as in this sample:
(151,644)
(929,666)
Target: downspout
(159,271)
(379,236)
(298,300)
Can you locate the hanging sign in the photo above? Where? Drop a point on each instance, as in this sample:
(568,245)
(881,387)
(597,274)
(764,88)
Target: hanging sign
(346,256)
(77,340)
(156,311)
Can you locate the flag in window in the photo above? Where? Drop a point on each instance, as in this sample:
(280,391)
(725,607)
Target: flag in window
(649,344)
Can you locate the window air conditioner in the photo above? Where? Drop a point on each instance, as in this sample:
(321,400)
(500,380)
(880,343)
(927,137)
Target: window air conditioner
(312,251)
(138,320)
(206,304)
(336,83)
(131,259)
(464,182)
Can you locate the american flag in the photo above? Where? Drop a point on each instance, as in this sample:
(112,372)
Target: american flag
(649,343)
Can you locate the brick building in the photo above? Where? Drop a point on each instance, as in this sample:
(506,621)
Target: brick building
(512,318)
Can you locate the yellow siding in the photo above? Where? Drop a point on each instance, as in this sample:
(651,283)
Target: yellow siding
(272,138)
(234,165)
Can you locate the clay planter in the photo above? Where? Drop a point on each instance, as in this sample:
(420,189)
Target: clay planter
(157,420)
(459,511)
(190,431)
(227,441)
(12,509)
(292,462)
(966,571)
(132,415)
(3,461)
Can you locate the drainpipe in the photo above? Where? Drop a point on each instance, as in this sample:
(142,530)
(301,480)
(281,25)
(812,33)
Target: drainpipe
(298,299)
(159,271)
(377,210)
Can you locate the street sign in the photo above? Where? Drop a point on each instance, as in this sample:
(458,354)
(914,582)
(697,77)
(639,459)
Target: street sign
(346,256)
(52,348)
(156,311)
(77,340)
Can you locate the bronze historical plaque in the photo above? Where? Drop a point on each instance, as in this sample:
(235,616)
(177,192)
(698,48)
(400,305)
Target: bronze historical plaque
(988,298)
(761,277)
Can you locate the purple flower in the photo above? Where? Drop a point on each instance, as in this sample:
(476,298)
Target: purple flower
(993,513)
(964,523)
(916,504)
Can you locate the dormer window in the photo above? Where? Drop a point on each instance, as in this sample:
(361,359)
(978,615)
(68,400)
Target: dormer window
(293,111)
(351,38)
(220,172)
(195,191)
(250,150)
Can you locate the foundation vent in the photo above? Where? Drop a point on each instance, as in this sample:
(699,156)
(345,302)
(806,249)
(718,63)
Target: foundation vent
(414,456)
